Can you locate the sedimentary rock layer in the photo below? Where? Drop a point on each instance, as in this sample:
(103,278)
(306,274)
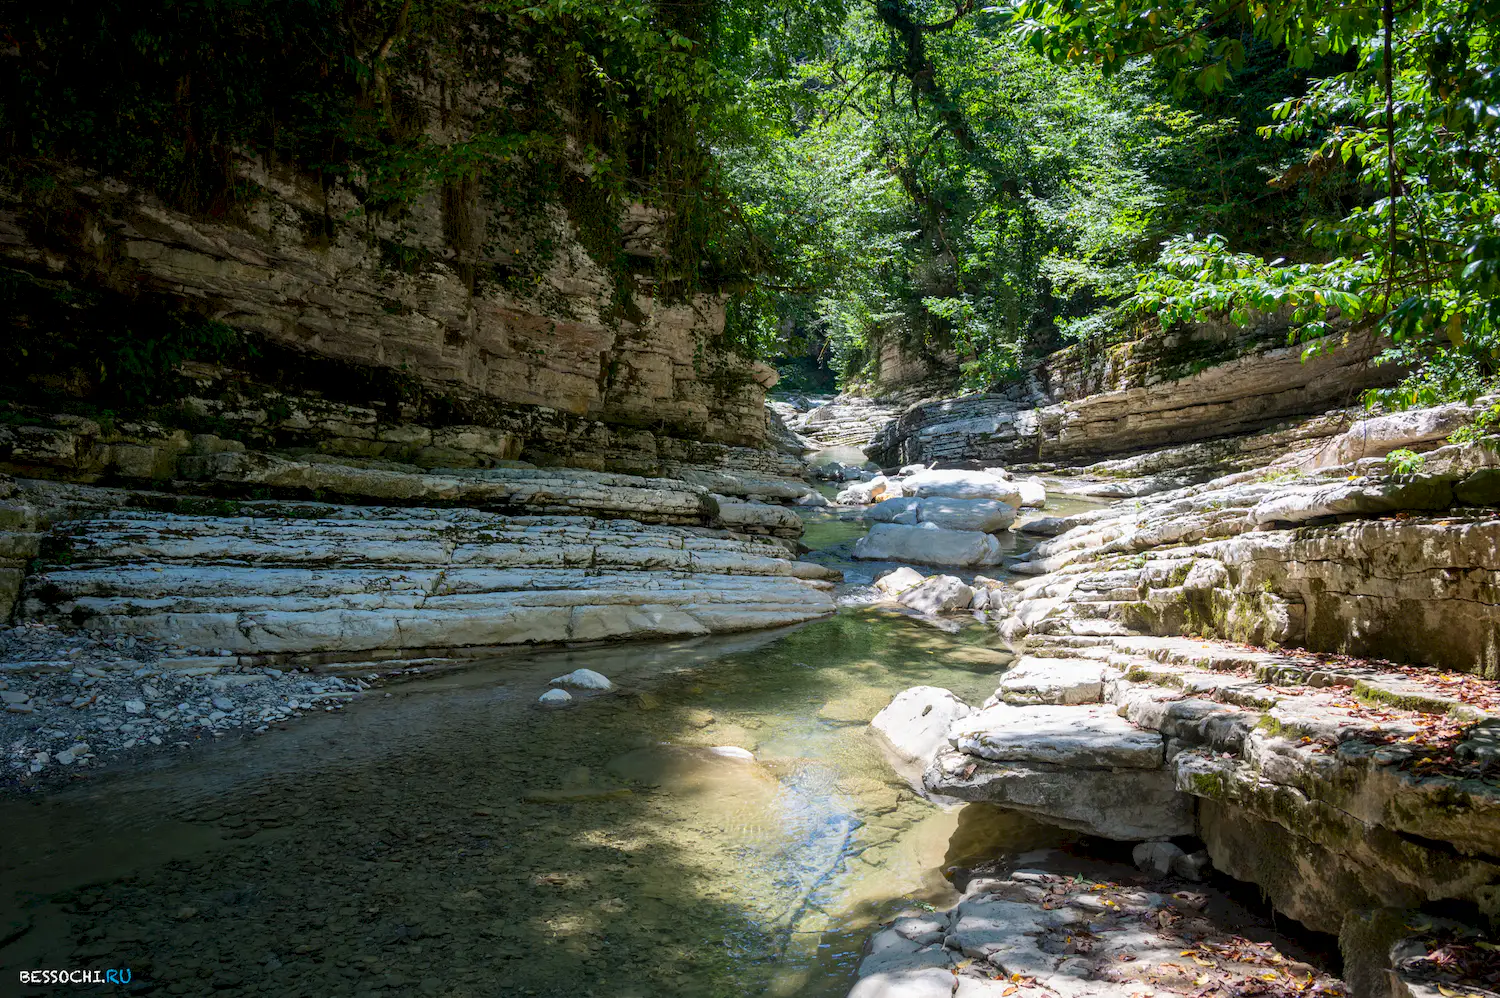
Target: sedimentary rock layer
(359,581)
(1243,388)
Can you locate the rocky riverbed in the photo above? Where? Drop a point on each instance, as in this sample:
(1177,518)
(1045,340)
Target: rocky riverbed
(76,702)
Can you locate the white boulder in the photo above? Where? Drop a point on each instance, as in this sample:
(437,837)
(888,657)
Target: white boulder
(961,485)
(915,724)
(938,594)
(864,493)
(1033,492)
(928,544)
(584,679)
(555,696)
(898,581)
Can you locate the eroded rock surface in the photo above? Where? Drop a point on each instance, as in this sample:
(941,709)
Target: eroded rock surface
(275,579)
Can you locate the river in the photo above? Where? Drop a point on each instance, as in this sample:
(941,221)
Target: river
(455,838)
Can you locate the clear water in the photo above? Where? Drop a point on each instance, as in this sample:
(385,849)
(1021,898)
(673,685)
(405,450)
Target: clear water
(455,838)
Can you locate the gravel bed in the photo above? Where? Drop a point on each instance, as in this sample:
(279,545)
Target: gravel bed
(72,700)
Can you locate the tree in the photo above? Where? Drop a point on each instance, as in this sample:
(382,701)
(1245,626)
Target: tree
(1415,117)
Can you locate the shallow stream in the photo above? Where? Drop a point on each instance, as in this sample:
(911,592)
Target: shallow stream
(456,838)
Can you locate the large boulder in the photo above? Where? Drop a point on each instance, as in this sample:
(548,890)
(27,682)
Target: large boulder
(928,544)
(937,594)
(961,485)
(915,724)
(987,515)
(863,493)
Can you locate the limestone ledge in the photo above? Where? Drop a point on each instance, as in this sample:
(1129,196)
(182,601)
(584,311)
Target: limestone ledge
(1252,387)
(1303,775)
(1353,561)
(375,457)
(279,579)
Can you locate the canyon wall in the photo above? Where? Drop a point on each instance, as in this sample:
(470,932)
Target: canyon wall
(557,361)
(1160,390)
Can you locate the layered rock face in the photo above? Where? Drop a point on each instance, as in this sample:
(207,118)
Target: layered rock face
(554,369)
(1159,693)
(260,581)
(1160,391)
(1354,796)
(1393,567)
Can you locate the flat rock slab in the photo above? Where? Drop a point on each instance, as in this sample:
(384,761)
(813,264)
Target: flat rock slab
(1082,737)
(1053,681)
(1123,804)
(909,982)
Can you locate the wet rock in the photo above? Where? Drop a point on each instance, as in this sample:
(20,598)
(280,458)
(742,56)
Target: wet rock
(555,697)
(938,594)
(584,679)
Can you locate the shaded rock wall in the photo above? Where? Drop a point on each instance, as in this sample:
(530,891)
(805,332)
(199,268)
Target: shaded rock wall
(1160,391)
(553,346)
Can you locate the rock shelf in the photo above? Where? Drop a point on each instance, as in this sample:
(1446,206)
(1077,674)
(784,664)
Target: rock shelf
(1033,933)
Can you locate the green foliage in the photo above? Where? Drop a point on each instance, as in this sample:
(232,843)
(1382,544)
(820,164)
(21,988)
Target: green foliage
(926,178)
(1405,462)
(1411,116)
(85,344)
(1485,426)
(584,105)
